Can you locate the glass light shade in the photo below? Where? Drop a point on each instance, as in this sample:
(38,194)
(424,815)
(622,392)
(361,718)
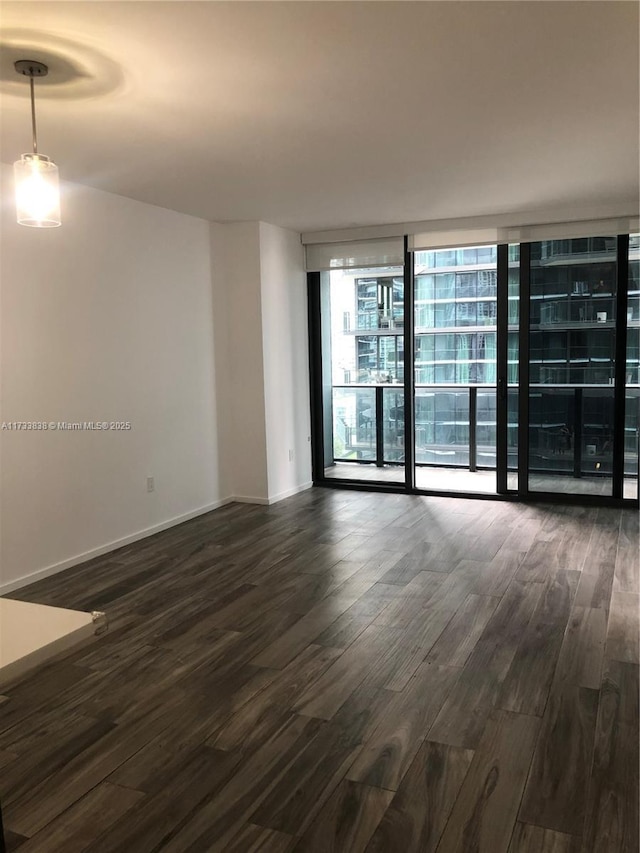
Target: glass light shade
(37,191)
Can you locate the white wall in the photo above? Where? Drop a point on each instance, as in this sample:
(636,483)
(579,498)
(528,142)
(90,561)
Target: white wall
(195,333)
(235,252)
(259,285)
(108,318)
(286,362)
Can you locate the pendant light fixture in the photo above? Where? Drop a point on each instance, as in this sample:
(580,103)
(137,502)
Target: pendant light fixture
(36,176)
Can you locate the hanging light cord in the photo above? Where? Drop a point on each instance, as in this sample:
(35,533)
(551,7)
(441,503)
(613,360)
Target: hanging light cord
(31,68)
(33,113)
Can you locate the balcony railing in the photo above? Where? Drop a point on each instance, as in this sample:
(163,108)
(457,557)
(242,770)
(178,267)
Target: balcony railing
(570,431)
(375,321)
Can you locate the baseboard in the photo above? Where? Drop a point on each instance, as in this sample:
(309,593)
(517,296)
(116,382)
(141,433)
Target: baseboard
(290,492)
(250,499)
(53,569)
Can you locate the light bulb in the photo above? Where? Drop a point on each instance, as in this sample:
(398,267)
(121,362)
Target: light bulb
(37,191)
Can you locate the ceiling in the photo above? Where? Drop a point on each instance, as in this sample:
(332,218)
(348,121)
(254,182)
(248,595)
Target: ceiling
(323,115)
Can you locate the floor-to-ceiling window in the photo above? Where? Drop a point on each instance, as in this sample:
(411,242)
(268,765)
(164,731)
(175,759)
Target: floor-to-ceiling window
(583,389)
(455,317)
(508,368)
(367,371)
(572,318)
(359,361)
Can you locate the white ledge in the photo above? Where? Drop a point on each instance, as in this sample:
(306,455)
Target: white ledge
(32,633)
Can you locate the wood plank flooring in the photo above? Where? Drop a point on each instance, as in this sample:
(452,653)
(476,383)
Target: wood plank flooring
(341,671)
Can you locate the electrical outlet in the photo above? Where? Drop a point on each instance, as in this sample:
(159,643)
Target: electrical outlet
(151,486)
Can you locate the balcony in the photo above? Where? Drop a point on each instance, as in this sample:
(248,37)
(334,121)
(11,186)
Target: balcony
(375,322)
(570,432)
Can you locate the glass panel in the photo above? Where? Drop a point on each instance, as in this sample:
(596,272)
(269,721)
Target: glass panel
(466,314)
(572,361)
(466,284)
(442,427)
(393,424)
(486,429)
(354,424)
(632,377)
(455,351)
(551,430)
(366,354)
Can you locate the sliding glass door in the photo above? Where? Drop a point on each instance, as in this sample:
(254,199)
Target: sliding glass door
(363,365)
(455,358)
(576,371)
(509,369)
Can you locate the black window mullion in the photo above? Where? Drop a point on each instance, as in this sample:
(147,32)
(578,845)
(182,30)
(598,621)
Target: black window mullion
(315,375)
(523,370)
(501,367)
(622,272)
(409,378)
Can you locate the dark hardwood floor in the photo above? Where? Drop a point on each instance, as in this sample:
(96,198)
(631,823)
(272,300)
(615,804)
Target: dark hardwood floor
(344,672)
